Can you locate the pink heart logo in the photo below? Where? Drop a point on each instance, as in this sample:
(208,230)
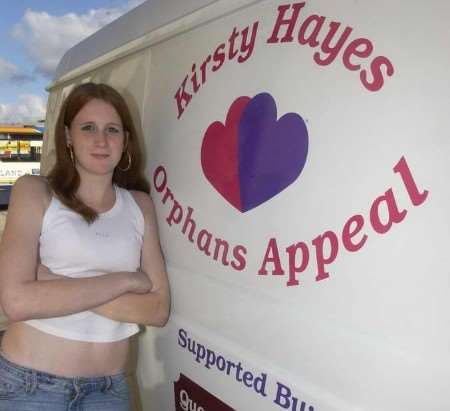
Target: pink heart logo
(254,156)
(219,153)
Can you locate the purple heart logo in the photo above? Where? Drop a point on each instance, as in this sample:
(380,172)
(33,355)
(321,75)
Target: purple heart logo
(256,154)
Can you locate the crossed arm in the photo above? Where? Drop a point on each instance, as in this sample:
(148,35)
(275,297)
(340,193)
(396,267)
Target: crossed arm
(141,297)
(150,308)
(153,307)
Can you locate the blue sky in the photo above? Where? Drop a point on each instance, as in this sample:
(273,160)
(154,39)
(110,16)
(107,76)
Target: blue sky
(35,35)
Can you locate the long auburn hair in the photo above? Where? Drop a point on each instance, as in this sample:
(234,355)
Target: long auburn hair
(64,178)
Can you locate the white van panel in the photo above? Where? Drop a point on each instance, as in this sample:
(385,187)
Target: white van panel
(365,330)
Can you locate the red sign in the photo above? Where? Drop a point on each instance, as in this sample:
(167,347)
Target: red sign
(189,396)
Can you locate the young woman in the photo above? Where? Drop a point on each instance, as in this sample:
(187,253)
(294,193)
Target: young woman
(80,264)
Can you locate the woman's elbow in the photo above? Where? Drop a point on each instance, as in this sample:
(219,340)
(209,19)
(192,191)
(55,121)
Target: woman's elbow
(161,314)
(164,315)
(12,308)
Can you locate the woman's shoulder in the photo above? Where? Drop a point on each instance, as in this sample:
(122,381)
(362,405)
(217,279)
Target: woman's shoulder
(32,188)
(144,201)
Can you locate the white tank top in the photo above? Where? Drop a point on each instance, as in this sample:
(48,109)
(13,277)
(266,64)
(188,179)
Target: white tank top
(71,247)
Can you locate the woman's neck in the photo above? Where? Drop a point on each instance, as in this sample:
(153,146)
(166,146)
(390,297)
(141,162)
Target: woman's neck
(97,193)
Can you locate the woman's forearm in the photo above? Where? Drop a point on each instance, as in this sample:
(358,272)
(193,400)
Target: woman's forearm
(59,297)
(149,309)
(132,306)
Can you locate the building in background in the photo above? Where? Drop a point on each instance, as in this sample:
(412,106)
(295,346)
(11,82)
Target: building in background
(20,154)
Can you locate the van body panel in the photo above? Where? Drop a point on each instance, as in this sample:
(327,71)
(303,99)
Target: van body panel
(299,178)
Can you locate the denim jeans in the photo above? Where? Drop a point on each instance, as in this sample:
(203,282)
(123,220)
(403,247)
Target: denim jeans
(25,389)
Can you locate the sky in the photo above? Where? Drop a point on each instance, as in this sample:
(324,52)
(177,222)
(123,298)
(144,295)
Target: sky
(34,35)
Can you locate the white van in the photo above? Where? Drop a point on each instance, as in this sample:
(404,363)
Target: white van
(299,156)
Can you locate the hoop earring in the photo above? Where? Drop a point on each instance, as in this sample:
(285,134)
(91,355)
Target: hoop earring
(129,163)
(72,157)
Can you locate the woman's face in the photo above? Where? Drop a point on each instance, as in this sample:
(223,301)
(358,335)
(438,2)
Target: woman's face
(97,137)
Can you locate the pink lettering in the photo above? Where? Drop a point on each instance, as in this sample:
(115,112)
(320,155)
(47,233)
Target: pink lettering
(182,97)
(281,20)
(360,48)
(417,197)
(357,222)
(272,256)
(318,243)
(293,268)
(394,215)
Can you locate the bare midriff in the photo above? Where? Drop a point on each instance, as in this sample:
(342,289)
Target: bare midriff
(29,347)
